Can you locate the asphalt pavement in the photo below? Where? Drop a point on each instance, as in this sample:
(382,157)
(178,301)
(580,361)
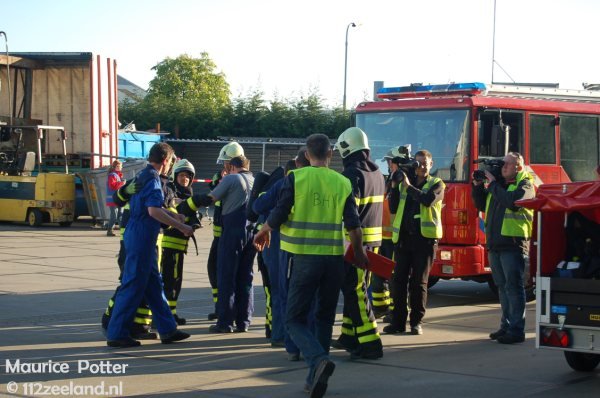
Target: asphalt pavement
(56,283)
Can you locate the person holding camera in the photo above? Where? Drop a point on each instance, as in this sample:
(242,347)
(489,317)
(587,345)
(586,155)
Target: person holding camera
(507,232)
(417,227)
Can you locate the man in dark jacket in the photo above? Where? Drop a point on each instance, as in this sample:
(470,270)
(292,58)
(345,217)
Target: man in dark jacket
(416,200)
(507,231)
(359,329)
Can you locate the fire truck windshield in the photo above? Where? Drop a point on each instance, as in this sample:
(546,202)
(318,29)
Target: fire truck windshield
(444,133)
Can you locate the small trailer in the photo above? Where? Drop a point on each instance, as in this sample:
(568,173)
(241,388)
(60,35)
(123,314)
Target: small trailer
(568,271)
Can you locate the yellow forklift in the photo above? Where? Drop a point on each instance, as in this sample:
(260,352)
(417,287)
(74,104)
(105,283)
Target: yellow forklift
(27,195)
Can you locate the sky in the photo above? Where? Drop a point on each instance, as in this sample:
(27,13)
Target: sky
(288,49)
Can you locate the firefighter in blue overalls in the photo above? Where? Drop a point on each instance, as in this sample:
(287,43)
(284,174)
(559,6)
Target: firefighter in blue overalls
(174,243)
(359,328)
(140,330)
(141,279)
(236,252)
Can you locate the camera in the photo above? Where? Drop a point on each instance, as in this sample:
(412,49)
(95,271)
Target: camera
(493,165)
(406,163)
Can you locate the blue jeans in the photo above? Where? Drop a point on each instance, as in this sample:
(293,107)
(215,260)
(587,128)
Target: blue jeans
(508,268)
(319,276)
(114,216)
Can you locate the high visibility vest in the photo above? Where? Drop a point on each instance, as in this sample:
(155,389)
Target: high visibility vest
(386,221)
(430,216)
(172,238)
(314,226)
(518,224)
(371,229)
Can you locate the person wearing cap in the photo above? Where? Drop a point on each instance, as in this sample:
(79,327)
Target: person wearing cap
(359,328)
(174,244)
(380,291)
(417,228)
(235,255)
(323,205)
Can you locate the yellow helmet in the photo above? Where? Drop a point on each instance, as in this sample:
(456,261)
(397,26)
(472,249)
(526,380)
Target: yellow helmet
(351,140)
(229,152)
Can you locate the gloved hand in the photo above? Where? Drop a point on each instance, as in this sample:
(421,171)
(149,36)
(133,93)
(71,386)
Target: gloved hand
(132,187)
(202,200)
(398,176)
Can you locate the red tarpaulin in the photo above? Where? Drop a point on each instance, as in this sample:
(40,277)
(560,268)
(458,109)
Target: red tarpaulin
(554,201)
(565,197)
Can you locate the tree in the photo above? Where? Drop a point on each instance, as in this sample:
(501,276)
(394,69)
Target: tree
(187,96)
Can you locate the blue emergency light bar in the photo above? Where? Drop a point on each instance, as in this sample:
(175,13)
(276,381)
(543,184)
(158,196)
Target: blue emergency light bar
(431,90)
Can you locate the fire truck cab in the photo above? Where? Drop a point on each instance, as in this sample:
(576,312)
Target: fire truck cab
(556,131)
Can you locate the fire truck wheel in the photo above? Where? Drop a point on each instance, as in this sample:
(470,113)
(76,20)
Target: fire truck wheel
(529,290)
(493,286)
(581,361)
(432,281)
(35,217)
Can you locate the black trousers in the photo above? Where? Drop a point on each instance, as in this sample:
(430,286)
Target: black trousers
(211,267)
(264,272)
(414,258)
(380,290)
(172,275)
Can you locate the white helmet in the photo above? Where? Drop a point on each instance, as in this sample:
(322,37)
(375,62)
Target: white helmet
(184,165)
(402,151)
(351,140)
(229,152)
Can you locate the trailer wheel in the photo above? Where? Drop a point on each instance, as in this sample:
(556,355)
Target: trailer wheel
(530,293)
(35,217)
(582,362)
(432,281)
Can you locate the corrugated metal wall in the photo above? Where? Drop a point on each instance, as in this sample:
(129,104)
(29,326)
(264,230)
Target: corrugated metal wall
(264,156)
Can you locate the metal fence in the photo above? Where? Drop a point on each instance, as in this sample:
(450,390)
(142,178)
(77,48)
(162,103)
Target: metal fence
(264,155)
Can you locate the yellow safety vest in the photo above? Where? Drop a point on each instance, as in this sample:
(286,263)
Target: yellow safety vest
(518,224)
(314,225)
(431,216)
(386,222)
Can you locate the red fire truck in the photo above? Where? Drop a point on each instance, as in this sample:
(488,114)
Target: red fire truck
(556,131)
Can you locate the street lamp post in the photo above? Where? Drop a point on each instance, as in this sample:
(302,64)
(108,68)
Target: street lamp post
(353,25)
